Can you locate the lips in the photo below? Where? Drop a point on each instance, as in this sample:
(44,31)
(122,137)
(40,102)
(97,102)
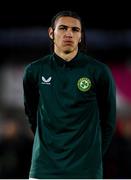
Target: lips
(68,42)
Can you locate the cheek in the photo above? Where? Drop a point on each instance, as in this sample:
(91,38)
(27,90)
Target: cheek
(77,41)
(57,39)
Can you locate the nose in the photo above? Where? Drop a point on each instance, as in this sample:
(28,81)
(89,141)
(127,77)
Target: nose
(69,32)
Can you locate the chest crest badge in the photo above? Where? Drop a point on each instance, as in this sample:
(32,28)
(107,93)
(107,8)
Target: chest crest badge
(84,84)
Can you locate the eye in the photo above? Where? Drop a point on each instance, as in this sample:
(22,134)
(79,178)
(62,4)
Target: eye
(75,29)
(63,28)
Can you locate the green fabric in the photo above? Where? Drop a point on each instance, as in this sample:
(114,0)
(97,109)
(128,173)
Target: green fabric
(71,108)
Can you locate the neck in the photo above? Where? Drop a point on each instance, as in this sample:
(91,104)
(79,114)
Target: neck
(66,56)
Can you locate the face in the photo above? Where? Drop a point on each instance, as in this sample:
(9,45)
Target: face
(66,34)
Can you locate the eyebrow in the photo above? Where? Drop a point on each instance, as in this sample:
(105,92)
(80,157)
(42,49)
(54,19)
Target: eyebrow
(76,27)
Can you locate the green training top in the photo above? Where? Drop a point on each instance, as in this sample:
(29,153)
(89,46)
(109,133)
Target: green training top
(71,107)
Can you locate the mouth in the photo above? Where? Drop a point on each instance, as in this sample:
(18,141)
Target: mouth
(68,42)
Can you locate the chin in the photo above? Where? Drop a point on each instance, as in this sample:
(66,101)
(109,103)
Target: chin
(68,50)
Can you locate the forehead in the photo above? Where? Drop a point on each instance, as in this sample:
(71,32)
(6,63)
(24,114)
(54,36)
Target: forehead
(68,21)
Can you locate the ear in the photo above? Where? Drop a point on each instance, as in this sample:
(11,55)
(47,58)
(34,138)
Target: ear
(80,40)
(50,32)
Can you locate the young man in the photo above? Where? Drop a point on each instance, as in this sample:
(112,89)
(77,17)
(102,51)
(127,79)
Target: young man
(70,102)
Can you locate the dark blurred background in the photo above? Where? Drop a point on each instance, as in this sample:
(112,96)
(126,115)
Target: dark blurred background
(24,38)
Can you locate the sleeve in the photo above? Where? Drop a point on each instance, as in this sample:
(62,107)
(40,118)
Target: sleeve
(106,96)
(31,97)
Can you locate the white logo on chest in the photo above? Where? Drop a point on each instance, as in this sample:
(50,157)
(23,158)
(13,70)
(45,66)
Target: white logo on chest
(46,81)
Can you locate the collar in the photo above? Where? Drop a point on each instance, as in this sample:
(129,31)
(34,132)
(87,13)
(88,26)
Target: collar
(63,63)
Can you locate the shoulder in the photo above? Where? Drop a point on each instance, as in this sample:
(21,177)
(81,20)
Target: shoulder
(32,70)
(94,63)
(100,70)
(38,62)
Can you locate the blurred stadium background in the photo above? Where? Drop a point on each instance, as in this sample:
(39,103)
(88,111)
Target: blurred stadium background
(23,39)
